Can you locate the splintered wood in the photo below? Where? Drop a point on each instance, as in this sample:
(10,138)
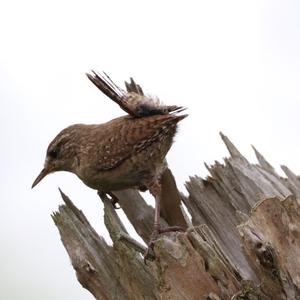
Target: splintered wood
(243,241)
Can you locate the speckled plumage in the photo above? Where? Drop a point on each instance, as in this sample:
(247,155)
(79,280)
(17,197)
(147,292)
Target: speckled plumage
(123,153)
(127,152)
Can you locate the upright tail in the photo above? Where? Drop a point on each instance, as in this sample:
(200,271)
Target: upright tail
(134,101)
(110,89)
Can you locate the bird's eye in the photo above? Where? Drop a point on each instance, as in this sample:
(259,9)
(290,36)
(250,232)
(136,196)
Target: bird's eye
(53,153)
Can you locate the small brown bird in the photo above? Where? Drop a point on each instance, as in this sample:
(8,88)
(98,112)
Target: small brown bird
(126,152)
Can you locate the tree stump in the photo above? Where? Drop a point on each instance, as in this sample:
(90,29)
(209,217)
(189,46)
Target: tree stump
(243,241)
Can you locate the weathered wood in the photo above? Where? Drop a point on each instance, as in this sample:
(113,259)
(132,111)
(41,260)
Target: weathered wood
(271,238)
(244,242)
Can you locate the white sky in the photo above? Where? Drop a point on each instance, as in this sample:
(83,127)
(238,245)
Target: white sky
(234,64)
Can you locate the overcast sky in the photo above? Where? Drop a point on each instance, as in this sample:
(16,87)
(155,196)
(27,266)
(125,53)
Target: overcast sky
(234,64)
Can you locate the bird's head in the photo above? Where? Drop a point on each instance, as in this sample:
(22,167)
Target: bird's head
(62,152)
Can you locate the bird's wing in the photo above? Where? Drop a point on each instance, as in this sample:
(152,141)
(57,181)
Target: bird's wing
(126,136)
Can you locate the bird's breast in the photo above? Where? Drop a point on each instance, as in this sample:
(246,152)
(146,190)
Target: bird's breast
(137,171)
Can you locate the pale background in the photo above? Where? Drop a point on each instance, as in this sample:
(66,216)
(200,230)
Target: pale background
(234,64)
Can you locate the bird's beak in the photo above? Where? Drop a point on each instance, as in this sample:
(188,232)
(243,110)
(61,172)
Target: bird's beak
(47,170)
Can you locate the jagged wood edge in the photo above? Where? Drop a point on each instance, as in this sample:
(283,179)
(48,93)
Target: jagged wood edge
(236,164)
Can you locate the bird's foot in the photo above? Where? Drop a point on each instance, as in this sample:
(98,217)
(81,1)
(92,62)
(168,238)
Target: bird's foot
(149,253)
(171,229)
(112,198)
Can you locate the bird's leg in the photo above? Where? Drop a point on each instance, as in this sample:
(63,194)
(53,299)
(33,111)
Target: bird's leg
(155,190)
(113,198)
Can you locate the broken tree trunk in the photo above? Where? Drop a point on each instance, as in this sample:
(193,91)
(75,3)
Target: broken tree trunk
(243,241)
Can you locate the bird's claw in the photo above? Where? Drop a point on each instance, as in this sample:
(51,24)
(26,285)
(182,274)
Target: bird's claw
(149,253)
(171,229)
